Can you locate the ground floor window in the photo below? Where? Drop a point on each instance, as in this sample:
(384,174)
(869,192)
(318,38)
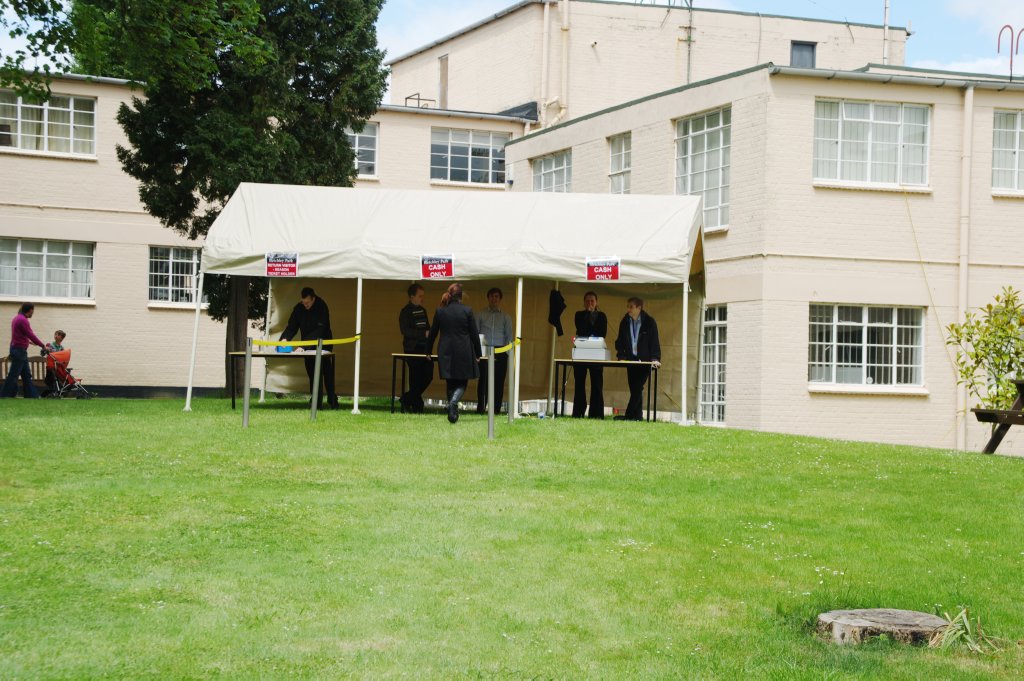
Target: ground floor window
(712,366)
(172,273)
(866,345)
(34,268)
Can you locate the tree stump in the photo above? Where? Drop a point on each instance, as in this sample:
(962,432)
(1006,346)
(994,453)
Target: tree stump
(856,626)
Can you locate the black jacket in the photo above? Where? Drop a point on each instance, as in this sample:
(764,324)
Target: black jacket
(599,329)
(648,347)
(459,351)
(414,323)
(314,323)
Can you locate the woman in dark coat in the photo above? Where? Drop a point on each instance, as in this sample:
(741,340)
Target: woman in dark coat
(459,350)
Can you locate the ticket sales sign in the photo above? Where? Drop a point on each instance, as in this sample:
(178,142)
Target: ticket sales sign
(437,266)
(282,264)
(603,269)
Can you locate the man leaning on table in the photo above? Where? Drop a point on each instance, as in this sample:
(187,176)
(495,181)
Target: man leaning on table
(312,318)
(638,342)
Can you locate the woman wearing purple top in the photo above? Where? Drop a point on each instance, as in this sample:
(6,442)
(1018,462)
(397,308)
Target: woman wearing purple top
(17,363)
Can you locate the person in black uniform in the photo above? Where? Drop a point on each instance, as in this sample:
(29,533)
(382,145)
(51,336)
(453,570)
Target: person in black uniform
(459,351)
(415,325)
(590,323)
(311,317)
(637,341)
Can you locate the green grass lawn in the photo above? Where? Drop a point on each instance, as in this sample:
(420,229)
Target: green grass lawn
(137,541)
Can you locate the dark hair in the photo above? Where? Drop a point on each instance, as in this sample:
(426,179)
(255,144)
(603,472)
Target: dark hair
(60,333)
(495,289)
(638,302)
(307,292)
(27,307)
(589,293)
(454,293)
(413,288)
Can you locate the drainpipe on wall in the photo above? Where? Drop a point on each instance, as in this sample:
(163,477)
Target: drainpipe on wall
(563,99)
(965,249)
(885,33)
(689,50)
(545,49)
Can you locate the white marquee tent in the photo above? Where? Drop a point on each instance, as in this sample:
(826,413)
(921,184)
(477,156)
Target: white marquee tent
(387,234)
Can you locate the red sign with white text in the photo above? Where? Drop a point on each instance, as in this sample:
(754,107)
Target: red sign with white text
(437,266)
(603,269)
(282,264)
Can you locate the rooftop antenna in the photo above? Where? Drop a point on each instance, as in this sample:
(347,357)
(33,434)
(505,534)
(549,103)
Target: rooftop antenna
(1014,45)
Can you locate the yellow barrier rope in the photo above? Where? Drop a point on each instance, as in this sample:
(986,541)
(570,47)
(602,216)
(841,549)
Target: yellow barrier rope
(506,348)
(309,343)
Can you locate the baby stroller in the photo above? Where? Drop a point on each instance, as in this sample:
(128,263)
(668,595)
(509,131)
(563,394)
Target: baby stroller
(59,381)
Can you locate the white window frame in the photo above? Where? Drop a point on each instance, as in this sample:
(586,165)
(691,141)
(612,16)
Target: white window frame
(692,135)
(77,123)
(713,364)
(546,169)
(1015,152)
(833,147)
(825,345)
(487,146)
(620,152)
(364,155)
(179,285)
(60,266)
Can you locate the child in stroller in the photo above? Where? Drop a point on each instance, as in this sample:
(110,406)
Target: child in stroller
(59,381)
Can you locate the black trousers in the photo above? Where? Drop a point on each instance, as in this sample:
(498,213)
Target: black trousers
(421,375)
(327,379)
(637,377)
(500,372)
(579,396)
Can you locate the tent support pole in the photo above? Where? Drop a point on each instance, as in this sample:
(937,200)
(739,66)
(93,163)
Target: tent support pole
(516,349)
(551,366)
(359,342)
(197,294)
(266,336)
(686,350)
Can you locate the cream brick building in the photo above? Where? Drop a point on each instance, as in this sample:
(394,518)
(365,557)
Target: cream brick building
(75,239)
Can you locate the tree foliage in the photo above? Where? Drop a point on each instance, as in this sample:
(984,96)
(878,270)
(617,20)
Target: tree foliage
(990,350)
(44,35)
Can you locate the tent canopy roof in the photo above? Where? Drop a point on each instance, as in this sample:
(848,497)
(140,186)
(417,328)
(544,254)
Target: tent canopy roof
(342,232)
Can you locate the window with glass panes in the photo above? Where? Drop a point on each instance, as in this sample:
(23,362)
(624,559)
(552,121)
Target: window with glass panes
(620,148)
(712,366)
(468,155)
(364,146)
(62,125)
(172,273)
(46,269)
(871,142)
(1007,150)
(702,162)
(553,173)
(865,345)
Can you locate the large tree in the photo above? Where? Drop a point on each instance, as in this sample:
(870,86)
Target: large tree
(42,41)
(234,91)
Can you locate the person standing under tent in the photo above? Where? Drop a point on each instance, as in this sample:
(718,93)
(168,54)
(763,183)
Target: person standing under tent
(638,342)
(17,363)
(312,318)
(496,327)
(590,323)
(415,325)
(458,352)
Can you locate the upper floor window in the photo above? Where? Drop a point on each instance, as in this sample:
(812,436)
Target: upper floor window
(1007,149)
(172,273)
(62,125)
(801,54)
(620,148)
(864,345)
(364,146)
(46,269)
(703,145)
(476,156)
(553,173)
(871,142)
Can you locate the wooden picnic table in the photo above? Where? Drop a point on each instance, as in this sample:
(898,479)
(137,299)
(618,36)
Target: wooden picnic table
(1004,418)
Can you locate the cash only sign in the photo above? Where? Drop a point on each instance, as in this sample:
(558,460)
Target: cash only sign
(603,268)
(437,266)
